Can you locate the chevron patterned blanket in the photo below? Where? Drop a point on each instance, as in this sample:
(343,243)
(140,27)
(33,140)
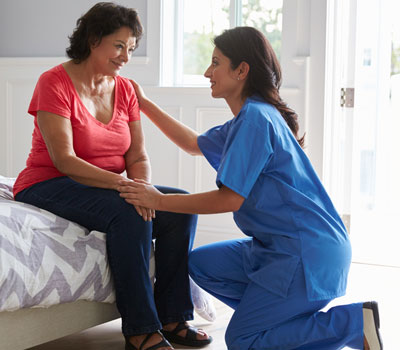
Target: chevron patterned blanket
(46,260)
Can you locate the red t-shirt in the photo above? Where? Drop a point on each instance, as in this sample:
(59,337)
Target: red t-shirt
(103,145)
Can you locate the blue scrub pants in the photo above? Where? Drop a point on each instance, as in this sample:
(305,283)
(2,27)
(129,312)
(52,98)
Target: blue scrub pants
(128,242)
(263,320)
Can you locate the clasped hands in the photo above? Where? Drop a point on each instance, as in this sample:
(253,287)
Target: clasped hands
(142,195)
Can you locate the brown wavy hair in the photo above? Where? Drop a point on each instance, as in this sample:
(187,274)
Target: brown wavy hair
(101,20)
(247,44)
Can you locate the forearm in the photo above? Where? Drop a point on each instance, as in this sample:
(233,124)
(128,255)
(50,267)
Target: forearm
(183,136)
(140,169)
(212,202)
(88,174)
(218,201)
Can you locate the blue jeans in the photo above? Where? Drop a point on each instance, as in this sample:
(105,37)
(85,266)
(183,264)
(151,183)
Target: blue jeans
(128,241)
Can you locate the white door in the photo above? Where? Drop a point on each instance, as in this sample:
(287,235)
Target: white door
(365,171)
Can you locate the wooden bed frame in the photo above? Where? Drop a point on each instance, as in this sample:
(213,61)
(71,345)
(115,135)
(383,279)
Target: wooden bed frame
(26,328)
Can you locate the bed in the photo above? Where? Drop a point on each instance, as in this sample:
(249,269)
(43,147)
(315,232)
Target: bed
(54,276)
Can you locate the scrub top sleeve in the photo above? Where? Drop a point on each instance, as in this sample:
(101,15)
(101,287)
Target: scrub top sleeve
(248,150)
(211,144)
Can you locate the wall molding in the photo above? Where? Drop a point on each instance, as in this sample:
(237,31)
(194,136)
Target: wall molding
(53,61)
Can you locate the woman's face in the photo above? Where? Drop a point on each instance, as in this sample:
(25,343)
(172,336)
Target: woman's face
(224,81)
(113,52)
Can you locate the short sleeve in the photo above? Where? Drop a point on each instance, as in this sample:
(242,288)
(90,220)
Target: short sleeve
(134,110)
(248,150)
(51,95)
(211,144)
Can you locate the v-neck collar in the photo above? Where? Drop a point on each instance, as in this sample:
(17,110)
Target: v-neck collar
(83,105)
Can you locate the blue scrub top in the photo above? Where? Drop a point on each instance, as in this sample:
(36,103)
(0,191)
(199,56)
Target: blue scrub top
(286,210)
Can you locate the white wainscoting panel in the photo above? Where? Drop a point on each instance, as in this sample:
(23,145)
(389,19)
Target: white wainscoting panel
(19,124)
(18,77)
(165,157)
(215,227)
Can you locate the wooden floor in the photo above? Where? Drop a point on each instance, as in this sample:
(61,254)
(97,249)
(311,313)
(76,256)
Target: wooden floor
(365,283)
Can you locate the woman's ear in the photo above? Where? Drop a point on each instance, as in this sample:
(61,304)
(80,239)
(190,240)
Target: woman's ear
(93,42)
(243,70)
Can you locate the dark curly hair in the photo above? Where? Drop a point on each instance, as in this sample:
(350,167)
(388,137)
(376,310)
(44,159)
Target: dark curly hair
(101,20)
(247,44)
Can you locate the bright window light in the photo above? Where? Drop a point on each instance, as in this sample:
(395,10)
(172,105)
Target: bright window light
(187,49)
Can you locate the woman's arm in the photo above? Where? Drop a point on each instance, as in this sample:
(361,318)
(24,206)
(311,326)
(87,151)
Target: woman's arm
(218,201)
(183,136)
(57,134)
(137,164)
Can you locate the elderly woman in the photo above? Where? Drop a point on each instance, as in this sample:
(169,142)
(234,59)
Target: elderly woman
(87,133)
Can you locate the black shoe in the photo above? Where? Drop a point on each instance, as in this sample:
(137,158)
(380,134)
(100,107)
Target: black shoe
(371,325)
(162,344)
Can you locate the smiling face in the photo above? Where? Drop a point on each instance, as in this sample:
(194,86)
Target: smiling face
(225,82)
(113,52)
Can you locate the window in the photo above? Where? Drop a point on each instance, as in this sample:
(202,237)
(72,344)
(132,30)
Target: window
(189,27)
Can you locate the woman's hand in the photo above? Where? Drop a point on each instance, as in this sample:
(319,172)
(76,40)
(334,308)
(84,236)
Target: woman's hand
(142,98)
(146,213)
(142,195)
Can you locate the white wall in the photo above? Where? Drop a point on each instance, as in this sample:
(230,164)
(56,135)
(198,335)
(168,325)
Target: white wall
(303,66)
(303,63)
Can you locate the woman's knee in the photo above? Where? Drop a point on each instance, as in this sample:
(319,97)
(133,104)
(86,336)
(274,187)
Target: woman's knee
(124,218)
(234,341)
(239,335)
(197,262)
(117,207)
(195,268)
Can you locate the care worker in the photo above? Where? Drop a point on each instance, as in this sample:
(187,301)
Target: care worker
(297,255)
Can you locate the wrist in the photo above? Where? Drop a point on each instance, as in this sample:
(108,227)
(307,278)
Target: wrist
(160,202)
(115,182)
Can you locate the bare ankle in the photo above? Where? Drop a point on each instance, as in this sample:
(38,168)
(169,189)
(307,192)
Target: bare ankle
(366,345)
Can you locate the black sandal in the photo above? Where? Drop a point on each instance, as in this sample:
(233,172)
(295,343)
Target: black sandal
(163,343)
(190,338)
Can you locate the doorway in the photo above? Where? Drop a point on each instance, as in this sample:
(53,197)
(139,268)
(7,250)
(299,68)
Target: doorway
(362,168)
